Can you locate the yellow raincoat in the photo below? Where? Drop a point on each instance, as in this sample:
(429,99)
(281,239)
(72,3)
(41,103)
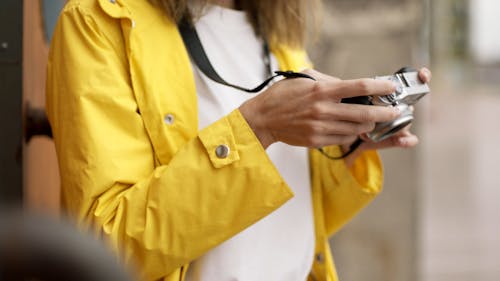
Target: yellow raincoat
(135,167)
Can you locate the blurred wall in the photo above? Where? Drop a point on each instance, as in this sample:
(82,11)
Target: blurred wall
(365,38)
(459,211)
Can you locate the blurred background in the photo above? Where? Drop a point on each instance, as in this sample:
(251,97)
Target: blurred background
(437,219)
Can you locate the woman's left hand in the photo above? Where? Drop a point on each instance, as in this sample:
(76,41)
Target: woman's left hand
(403,139)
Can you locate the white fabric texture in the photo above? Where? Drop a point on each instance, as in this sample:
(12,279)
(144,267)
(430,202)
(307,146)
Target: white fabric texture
(279,247)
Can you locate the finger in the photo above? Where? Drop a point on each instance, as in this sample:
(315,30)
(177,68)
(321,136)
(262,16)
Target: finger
(322,141)
(398,141)
(344,128)
(363,87)
(364,113)
(407,141)
(425,75)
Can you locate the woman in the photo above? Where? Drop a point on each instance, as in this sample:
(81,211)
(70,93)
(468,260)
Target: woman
(191,179)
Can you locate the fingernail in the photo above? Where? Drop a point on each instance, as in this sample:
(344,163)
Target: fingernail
(426,73)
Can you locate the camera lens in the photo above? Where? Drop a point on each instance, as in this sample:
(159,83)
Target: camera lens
(385,130)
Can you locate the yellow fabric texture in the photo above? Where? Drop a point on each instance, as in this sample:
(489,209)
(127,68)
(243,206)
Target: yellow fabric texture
(155,190)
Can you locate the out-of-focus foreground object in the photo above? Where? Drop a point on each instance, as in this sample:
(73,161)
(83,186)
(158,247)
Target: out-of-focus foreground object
(34,247)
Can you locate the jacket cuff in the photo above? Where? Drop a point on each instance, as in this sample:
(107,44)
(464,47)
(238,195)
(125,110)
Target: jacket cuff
(219,142)
(227,138)
(366,173)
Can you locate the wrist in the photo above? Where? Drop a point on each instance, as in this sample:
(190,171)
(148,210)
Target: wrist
(258,127)
(265,139)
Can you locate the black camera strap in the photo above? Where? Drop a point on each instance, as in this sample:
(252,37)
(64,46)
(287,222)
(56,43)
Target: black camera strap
(198,55)
(200,58)
(352,148)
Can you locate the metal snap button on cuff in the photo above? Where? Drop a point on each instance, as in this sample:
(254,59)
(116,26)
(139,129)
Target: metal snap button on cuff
(222,151)
(112,1)
(169,119)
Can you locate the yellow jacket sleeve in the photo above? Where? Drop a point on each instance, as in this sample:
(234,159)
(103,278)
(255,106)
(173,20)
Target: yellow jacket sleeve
(346,191)
(157,217)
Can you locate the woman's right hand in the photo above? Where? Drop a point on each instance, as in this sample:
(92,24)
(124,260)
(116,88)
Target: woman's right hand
(303,112)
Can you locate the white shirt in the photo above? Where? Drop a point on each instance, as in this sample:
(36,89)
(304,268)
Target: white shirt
(279,247)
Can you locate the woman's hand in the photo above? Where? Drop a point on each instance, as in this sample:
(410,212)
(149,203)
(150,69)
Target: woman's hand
(309,113)
(403,139)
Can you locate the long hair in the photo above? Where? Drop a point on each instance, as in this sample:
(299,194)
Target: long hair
(277,21)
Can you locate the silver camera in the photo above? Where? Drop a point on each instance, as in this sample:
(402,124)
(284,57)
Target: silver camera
(410,89)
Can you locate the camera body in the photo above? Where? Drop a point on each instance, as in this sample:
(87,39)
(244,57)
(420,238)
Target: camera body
(410,89)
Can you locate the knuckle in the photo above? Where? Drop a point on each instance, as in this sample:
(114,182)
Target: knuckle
(316,111)
(308,131)
(316,129)
(392,114)
(319,89)
(364,86)
(367,127)
(366,116)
